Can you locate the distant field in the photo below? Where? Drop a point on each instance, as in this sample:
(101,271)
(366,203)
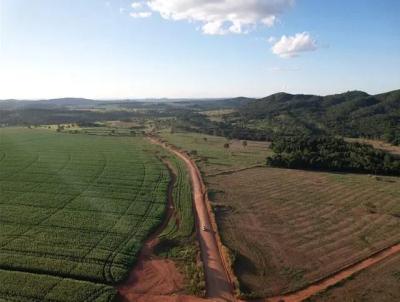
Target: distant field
(74,211)
(213,158)
(378,283)
(289,227)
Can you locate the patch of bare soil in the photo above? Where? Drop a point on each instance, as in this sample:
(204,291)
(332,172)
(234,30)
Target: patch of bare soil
(152,276)
(155,277)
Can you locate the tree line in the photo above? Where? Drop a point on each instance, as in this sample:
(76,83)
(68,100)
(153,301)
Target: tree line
(332,154)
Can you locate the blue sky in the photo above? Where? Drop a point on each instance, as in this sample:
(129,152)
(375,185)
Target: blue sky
(102,49)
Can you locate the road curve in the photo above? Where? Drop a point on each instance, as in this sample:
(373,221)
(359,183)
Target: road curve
(218,284)
(343,274)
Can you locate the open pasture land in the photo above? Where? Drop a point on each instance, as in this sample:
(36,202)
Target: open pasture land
(289,228)
(74,212)
(212,158)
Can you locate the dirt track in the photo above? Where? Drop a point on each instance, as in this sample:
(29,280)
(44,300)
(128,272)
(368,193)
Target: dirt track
(324,284)
(218,284)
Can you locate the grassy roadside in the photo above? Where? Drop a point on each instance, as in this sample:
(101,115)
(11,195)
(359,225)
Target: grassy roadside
(177,241)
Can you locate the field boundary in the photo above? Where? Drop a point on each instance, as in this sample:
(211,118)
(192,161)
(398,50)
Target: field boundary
(228,172)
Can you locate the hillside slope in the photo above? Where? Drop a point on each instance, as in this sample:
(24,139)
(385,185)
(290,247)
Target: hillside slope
(354,114)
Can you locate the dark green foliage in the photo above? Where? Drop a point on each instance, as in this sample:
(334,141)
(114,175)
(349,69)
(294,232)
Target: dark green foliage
(351,114)
(328,153)
(195,122)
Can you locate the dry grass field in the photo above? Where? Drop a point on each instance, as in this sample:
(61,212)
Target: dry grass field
(212,158)
(289,227)
(378,283)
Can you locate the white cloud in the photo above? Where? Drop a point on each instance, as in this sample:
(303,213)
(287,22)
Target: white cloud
(292,46)
(284,69)
(136,5)
(140,15)
(222,16)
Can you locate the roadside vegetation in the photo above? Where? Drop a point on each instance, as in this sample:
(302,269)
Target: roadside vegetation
(178,241)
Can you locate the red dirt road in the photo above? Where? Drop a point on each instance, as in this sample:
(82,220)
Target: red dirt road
(218,284)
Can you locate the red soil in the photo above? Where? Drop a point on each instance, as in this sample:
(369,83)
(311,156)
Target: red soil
(154,279)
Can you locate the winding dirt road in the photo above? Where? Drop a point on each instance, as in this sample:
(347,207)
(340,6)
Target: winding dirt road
(218,284)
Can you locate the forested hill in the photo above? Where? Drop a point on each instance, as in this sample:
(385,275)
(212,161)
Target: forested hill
(353,114)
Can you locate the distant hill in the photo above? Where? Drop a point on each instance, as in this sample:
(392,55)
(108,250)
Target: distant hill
(51,103)
(353,114)
(211,104)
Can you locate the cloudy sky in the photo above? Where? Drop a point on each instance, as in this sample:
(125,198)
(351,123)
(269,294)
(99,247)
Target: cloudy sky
(196,48)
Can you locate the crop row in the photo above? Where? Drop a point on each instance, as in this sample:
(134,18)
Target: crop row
(75,207)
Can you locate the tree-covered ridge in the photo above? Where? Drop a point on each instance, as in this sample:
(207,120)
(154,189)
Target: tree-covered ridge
(352,114)
(329,153)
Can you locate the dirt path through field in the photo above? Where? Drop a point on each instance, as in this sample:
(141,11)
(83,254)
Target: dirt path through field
(324,284)
(155,279)
(218,283)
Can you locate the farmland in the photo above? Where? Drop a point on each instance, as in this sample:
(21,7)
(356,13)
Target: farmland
(288,228)
(378,283)
(213,158)
(74,212)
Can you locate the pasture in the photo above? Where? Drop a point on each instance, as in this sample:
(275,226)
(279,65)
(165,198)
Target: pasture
(74,212)
(211,156)
(288,228)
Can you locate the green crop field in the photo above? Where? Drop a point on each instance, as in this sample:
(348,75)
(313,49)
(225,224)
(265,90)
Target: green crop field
(74,212)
